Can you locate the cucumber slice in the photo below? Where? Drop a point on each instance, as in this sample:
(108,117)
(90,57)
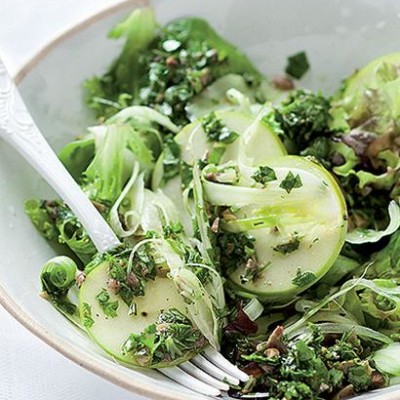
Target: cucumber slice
(109,332)
(194,143)
(299,226)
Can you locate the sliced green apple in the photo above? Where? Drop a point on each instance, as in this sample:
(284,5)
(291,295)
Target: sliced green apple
(112,327)
(261,144)
(298,220)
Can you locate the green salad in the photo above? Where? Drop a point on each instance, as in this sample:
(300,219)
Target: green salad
(257,217)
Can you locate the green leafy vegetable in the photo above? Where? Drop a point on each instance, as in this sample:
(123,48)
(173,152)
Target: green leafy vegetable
(297,65)
(108,94)
(359,236)
(268,228)
(40,216)
(104,177)
(303,117)
(77,155)
(308,368)
(386,262)
(165,68)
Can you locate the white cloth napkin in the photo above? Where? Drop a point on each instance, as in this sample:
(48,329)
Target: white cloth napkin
(31,370)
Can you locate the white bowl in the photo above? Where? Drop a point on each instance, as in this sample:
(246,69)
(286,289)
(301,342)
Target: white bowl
(338,36)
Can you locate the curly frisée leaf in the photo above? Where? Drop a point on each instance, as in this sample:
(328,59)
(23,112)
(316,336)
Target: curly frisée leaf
(104,175)
(126,72)
(359,236)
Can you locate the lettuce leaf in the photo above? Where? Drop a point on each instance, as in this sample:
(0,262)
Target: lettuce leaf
(359,236)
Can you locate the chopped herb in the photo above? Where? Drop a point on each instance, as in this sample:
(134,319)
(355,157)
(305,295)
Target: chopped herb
(291,182)
(236,250)
(303,123)
(297,65)
(176,69)
(360,377)
(289,247)
(303,278)
(311,368)
(264,175)
(131,283)
(216,131)
(171,337)
(87,319)
(109,307)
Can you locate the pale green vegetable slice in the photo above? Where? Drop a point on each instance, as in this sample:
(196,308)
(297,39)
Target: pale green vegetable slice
(262,144)
(387,359)
(215,97)
(111,332)
(299,225)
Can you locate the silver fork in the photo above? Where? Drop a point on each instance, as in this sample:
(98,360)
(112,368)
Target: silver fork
(208,373)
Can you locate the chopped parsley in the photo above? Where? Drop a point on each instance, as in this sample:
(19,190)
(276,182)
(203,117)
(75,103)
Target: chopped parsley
(87,319)
(288,247)
(170,338)
(109,307)
(310,368)
(235,250)
(216,131)
(177,72)
(291,182)
(304,278)
(264,175)
(131,282)
(297,65)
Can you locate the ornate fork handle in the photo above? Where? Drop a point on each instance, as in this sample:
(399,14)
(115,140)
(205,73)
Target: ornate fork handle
(20,131)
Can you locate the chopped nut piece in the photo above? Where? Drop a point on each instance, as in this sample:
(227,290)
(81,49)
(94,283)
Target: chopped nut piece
(283,83)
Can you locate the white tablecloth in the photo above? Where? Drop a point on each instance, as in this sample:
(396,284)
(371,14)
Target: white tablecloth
(29,369)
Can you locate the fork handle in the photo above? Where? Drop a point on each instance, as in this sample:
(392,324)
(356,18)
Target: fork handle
(20,131)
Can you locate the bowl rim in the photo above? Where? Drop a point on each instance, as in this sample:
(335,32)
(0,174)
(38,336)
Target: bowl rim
(63,347)
(72,352)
